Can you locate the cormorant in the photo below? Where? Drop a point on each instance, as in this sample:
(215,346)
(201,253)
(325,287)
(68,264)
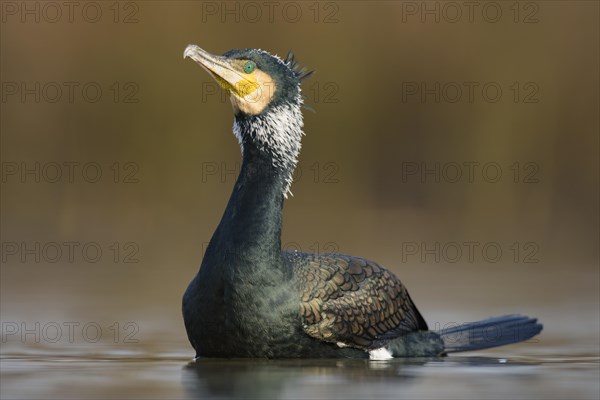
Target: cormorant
(251,299)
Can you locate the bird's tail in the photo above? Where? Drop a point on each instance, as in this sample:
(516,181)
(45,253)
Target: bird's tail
(491,332)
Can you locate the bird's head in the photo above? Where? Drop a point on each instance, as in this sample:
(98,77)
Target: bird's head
(255,80)
(266,97)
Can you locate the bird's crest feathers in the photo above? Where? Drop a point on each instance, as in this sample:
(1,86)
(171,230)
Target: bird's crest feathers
(301,72)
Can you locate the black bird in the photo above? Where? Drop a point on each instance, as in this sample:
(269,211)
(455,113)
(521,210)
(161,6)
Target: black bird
(251,299)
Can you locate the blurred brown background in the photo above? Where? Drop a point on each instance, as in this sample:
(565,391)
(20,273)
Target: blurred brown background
(392,95)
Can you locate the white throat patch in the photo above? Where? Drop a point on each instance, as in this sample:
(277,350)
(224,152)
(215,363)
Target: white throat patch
(278,132)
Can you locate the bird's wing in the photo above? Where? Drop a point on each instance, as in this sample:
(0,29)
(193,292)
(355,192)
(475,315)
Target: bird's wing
(352,301)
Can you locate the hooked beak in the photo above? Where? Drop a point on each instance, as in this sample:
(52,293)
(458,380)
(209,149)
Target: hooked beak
(220,68)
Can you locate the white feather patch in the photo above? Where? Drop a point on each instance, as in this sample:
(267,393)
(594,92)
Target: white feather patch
(279,132)
(380,354)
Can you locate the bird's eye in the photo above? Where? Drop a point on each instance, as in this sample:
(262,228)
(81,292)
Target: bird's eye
(249,67)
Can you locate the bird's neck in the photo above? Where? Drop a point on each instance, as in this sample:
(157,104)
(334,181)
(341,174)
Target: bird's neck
(275,137)
(251,224)
(250,231)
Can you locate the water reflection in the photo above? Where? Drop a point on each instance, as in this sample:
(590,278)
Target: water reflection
(556,372)
(207,378)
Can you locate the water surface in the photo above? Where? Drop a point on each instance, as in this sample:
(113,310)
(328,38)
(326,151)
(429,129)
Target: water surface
(556,370)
